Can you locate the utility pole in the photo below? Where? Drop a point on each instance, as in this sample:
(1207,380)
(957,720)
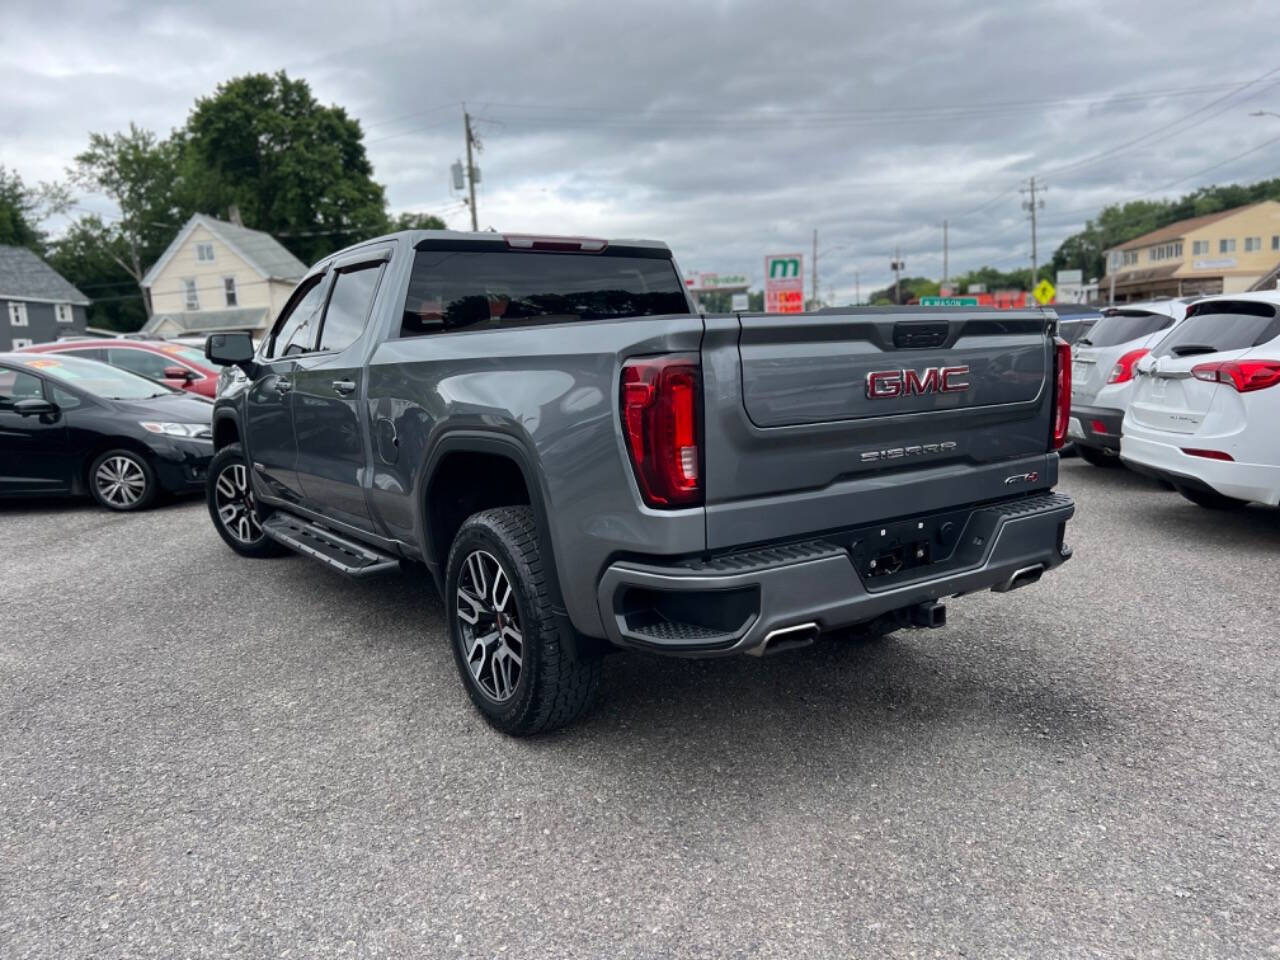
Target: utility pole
(813,268)
(471,169)
(945,273)
(857,289)
(1031,204)
(897,276)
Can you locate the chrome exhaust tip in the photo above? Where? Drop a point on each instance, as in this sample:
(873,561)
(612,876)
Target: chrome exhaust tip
(1023,577)
(787,638)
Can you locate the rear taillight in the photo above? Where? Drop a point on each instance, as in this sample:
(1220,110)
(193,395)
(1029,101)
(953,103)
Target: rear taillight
(1061,391)
(662,422)
(1243,375)
(1122,372)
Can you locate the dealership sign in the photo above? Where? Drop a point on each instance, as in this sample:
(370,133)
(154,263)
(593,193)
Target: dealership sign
(726,283)
(784,283)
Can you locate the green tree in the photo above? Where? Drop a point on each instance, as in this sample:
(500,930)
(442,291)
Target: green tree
(415,221)
(140,172)
(93,255)
(22,208)
(291,166)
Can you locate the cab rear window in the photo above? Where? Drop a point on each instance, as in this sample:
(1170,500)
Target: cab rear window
(1123,326)
(454,290)
(1222,325)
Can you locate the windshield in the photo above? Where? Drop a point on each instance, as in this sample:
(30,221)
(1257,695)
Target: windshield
(1125,326)
(97,379)
(1222,325)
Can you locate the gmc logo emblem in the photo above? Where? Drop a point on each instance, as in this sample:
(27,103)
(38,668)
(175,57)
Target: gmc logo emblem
(885,384)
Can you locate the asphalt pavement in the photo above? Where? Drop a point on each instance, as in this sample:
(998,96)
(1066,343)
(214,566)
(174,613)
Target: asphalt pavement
(206,756)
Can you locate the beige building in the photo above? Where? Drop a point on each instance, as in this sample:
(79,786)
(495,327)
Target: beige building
(1224,252)
(219,276)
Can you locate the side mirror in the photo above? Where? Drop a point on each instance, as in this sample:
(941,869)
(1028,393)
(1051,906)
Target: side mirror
(178,373)
(231,350)
(35,407)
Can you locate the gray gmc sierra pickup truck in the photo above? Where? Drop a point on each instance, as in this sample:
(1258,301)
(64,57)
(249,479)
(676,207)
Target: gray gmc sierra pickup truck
(583,462)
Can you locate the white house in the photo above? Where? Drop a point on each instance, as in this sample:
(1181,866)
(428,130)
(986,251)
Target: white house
(218,276)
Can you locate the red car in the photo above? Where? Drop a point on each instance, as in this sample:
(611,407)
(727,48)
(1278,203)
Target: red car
(173,364)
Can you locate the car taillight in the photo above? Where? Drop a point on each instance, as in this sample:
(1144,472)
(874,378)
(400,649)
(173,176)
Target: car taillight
(1122,372)
(1061,391)
(661,420)
(1243,375)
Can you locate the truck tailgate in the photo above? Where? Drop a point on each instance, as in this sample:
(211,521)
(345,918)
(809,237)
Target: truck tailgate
(819,421)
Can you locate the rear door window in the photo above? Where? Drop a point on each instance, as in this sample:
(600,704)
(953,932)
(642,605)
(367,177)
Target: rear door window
(1222,325)
(349,305)
(452,290)
(1124,326)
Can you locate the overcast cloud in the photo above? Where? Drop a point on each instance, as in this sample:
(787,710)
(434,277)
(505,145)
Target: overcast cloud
(728,129)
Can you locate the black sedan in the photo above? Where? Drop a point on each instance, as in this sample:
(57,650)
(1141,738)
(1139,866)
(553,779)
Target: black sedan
(70,426)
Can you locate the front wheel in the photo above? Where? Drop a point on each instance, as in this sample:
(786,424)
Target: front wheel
(1212,500)
(505,639)
(122,480)
(229,495)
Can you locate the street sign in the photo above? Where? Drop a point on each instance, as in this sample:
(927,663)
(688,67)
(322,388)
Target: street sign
(1043,292)
(784,283)
(948,301)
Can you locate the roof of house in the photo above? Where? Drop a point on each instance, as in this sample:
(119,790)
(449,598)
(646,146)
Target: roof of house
(205,321)
(260,250)
(24,276)
(1180,229)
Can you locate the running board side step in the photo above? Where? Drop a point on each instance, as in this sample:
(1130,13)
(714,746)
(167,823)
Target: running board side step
(353,559)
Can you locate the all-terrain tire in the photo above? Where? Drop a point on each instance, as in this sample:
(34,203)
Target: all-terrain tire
(553,686)
(236,517)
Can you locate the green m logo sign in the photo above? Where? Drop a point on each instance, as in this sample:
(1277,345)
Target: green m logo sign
(784,268)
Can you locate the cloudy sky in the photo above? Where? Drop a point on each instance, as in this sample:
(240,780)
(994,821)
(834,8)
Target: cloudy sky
(728,129)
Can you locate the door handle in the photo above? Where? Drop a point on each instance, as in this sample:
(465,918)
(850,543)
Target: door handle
(344,387)
(283,384)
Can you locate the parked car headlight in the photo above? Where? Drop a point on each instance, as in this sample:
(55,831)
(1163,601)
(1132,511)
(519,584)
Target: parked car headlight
(199,431)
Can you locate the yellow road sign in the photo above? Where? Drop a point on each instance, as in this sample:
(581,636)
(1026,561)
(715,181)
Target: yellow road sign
(1044,292)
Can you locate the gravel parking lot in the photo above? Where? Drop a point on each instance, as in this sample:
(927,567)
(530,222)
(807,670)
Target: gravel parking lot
(208,756)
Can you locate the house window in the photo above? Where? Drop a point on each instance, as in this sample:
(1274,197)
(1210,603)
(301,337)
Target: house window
(1227,246)
(1275,241)
(1252,244)
(20,342)
(191,294)
(229,287)
(204,253)
(18,314)
(1130,257)
(1199,247)
(63,312)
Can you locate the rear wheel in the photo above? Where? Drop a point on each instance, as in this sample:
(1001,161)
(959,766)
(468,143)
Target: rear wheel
(506,641)
(1211,499)
(1096,457)
(229,495)
(123,480)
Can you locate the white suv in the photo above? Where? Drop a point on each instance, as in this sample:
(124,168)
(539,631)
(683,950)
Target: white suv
(1205,414)
(1102,373)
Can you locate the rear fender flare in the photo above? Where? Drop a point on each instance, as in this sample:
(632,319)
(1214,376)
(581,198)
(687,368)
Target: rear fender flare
(497,444)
